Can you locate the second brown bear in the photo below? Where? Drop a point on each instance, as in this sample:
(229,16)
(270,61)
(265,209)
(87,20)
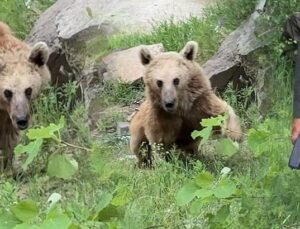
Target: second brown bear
(178,97)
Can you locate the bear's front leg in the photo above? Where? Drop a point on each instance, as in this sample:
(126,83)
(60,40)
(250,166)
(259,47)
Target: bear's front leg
(138,141)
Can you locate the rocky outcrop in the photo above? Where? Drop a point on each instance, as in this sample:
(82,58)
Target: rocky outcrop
(226,64)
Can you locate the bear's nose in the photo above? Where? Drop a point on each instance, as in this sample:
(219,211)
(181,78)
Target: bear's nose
(170,105)
(22,123)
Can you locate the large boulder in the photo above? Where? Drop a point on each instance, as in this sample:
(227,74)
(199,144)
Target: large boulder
(75,19)
(226,64)
(126,65)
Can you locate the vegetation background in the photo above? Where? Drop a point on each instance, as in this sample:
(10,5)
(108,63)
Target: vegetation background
(98,185)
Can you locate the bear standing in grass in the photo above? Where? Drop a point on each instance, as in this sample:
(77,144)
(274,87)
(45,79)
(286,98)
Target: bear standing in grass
(178,97)
(23,73)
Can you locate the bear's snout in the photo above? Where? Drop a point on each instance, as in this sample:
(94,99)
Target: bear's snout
(170,106)
(22,122)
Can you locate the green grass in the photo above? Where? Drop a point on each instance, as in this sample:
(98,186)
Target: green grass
(268,196)
(20,15)
(209,31)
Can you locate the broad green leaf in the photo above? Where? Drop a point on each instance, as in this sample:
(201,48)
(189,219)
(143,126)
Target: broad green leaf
(204,134)
(257,141)
(25,210)
(61,166)
(222,214)
(47,132)
(123,197)
(110,212)
(26,226)
(8,221)
(196,207)
(61,222)
(104,201)
(204,180)
(204,193)
(32,150)
(186,194)
(225,189)
(227,147)
(214,121)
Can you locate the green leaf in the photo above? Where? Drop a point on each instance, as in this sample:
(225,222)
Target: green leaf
(225,189)
(227,147)
(25,210)
(7,220)
(104,201)
(223,213)
(197,207)
(60,221)
(123,197)
(257,141)
(204,180)
(47,132)
(204,134)
(26,226)
(32,150)
(110,212)
(186,194)
(62,166)
(214,121)
(204,193)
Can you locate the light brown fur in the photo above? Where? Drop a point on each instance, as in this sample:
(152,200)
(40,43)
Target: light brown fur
(23,73)
(192,100)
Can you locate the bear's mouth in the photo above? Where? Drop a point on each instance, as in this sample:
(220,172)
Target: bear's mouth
(169,109)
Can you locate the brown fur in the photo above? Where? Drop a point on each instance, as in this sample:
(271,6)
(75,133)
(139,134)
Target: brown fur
(193,100)
(23,72)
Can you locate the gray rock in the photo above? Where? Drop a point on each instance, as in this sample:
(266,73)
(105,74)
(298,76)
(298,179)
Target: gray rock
(76,19)
(123,129)
(225,65)
(126,65)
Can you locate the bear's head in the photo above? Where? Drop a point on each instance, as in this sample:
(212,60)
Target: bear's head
(173,79)
(22,75)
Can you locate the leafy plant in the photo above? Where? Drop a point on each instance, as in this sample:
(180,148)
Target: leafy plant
(59,165)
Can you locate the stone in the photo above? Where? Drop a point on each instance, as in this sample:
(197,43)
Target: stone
(126,65)
(123,129)
(226,64)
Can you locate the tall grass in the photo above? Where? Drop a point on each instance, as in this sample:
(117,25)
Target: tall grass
(20,15)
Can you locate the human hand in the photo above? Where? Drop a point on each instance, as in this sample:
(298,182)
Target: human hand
(295,129)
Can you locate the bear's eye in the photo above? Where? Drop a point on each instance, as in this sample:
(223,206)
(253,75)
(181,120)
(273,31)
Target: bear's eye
(176,81)
(159,83)
(28,92)
(8,94)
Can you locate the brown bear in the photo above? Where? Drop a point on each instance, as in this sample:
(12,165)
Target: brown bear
(178,97)
(23,73)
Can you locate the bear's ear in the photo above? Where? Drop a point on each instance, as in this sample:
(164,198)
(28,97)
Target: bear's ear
(190,50)
(39,54)
(145,56)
